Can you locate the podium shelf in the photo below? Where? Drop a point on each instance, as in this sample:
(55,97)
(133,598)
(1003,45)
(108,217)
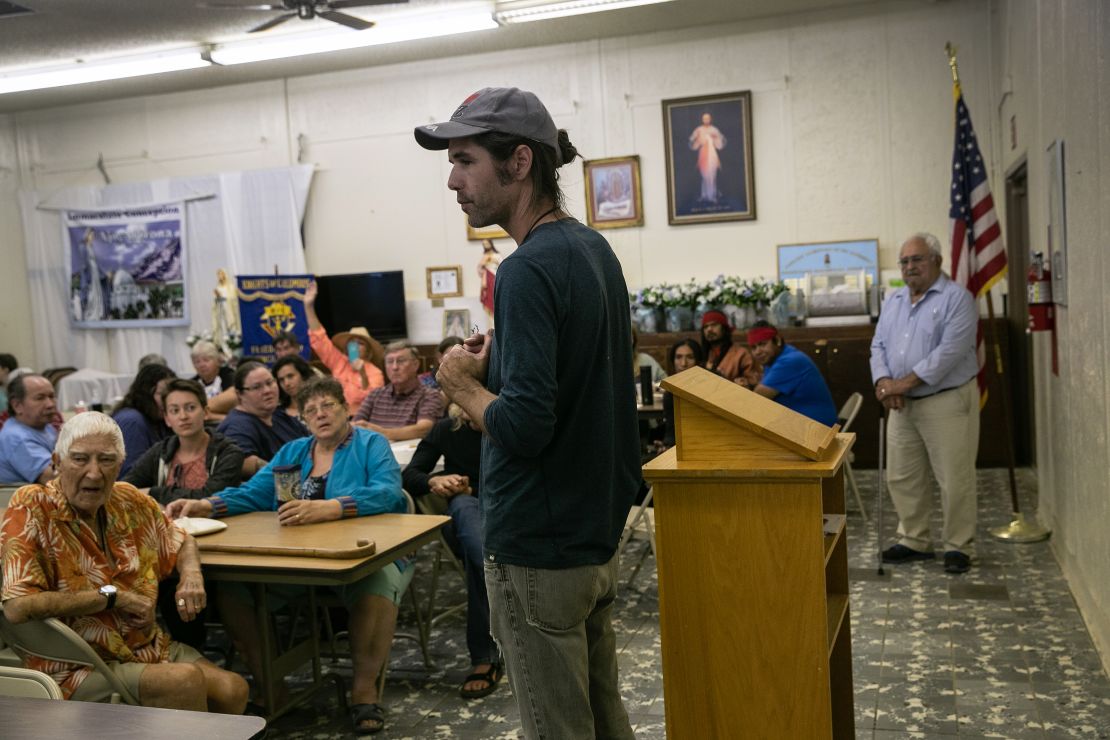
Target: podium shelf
(838,611)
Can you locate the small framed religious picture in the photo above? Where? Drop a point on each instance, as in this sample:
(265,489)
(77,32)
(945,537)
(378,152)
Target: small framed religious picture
(444,282)
(613,197)
(484,232)
(456,322)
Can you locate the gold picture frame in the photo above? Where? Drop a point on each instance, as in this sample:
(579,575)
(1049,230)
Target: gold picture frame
(485,232)
(613,196)
(444,281)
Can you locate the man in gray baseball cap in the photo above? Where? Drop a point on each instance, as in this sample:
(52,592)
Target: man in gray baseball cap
(560,454)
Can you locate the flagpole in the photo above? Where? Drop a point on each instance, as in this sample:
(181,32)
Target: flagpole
(1019,530)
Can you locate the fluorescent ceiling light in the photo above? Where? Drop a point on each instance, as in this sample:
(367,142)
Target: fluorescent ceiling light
(387,31)
(114,68)
(531,11)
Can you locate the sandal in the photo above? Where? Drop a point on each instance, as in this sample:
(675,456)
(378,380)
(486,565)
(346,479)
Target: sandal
(492,677)
(367,713)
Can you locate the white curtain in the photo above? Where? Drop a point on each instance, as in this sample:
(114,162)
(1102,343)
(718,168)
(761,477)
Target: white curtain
(252,225)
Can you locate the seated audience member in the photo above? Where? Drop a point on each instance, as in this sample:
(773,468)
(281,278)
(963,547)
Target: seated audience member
(789,376)
(90,551)
(286,344)
(723,356)
(344,472)
(152,359)
(140,415)
(27,437)
(190,463)
(683,355)
(212,373)
(291,372)
(348,355)
(428,377)
(639,359)
(458,441)
(406,408)
(7,364)
(257,426)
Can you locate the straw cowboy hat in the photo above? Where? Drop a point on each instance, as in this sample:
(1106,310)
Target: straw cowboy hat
(359,333)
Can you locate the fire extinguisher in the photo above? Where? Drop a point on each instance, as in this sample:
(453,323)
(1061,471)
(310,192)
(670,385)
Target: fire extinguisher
(1039,285)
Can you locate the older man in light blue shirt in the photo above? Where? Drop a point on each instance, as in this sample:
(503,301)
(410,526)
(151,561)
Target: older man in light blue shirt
(924,366)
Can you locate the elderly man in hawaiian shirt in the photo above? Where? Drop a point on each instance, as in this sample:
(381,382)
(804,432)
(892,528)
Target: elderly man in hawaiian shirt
(91,551)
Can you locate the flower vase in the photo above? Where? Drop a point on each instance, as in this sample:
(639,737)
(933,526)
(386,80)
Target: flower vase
(679,318)
(779,312)
(735,315)
(649,320)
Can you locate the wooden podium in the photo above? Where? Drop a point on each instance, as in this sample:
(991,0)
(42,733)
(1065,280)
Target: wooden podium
(753,568)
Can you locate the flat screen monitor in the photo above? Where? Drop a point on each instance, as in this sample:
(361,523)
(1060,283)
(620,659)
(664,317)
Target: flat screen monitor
(375,300)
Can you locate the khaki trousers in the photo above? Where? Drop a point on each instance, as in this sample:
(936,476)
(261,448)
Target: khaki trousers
(938,434)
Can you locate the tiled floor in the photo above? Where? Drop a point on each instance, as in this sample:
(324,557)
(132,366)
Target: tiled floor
(999,652)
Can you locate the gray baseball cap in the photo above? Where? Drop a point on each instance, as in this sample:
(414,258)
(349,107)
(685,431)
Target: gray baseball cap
(507,110)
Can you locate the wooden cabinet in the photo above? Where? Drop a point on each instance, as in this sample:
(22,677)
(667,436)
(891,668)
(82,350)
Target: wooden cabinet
(843,355)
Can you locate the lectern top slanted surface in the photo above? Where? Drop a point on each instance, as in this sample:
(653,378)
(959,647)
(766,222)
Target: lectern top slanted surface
(716,417)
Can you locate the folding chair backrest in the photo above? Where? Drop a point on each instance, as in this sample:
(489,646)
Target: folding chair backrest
(849,411)
(28,684)
(53,640)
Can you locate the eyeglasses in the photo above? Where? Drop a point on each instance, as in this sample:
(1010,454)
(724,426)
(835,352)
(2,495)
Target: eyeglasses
(270,383)
(399,360)
(327,407)
(916,259)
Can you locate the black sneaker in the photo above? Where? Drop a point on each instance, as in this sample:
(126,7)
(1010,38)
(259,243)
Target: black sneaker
(956,562)
(902,554)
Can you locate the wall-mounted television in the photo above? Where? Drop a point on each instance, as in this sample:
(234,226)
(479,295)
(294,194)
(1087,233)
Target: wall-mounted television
(375,300)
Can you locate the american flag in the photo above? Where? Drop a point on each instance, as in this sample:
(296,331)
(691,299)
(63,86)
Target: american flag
(978,254)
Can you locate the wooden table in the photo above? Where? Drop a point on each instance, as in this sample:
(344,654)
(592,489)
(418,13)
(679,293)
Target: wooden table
(32,719)
(394,535)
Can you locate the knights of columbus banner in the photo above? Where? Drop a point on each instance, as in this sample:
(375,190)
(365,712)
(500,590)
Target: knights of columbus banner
(268,306)
(126,266)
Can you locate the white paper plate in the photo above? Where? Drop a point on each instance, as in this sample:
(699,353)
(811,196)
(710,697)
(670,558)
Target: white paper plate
(198,526)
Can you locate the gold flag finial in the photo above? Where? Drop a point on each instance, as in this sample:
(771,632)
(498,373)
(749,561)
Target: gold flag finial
(950,50)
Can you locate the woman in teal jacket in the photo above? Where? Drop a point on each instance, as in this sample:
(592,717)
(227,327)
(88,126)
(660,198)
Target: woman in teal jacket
(343,472)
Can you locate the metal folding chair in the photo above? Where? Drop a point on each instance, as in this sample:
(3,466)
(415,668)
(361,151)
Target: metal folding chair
(53,640)
(28,684)
(847,415)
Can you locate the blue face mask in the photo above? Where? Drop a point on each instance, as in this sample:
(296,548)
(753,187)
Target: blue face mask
(352,350)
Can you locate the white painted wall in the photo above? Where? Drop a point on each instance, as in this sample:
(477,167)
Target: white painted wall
(852,136)
(1056,59)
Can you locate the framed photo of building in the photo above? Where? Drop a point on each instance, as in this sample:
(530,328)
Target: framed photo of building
(613,198)
(708,143)
(456,322)
(444,282)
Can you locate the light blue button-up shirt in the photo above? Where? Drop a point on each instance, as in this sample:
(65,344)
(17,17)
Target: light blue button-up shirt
(934,338)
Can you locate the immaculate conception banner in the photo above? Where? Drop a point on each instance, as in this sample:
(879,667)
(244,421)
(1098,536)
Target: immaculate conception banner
(268,306)
(127,266)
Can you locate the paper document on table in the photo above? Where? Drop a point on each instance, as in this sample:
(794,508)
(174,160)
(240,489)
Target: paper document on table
(198,526)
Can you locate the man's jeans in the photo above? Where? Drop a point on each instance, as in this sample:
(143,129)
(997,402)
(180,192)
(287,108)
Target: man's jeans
(555,632)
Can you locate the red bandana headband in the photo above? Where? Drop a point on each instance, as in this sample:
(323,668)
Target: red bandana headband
(761,334)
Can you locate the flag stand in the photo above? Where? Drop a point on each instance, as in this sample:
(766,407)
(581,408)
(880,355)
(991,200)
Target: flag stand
(1019,530)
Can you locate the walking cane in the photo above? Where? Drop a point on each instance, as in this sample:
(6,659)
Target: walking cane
(879,503)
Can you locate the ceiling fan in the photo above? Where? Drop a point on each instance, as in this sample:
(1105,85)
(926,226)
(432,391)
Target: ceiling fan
(306,10)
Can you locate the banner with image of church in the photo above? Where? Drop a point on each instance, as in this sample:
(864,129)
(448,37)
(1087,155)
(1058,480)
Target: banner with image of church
(127,266)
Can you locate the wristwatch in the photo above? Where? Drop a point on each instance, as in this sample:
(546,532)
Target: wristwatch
(109,591)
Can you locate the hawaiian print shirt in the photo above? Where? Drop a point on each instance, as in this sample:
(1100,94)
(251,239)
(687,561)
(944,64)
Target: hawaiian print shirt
(45,546)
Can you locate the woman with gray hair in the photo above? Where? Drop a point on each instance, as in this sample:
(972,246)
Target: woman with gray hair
(212,373)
